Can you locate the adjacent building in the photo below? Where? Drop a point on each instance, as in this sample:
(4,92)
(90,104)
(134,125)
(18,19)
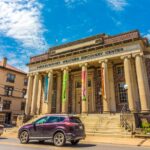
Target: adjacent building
(13,86)
(98,74)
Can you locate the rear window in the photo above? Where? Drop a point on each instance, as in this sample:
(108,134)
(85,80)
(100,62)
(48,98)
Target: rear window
(75,120)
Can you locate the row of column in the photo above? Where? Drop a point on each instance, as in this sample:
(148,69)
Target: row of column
(135,77)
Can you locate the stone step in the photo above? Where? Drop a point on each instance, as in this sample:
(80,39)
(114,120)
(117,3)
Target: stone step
(109,135)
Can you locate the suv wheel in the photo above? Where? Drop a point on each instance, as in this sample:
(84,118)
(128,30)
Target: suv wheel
(59,139)
(75,142)
(24,137)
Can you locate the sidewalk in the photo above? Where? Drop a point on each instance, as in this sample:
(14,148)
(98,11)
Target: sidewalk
(98,139)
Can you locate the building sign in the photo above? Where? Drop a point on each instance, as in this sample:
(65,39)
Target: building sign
(89,57)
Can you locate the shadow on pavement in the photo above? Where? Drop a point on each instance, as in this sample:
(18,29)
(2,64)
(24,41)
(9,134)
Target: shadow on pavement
(80,145)
(3,138)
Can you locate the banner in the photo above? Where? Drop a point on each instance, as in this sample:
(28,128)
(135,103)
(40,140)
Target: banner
(84,76)
(45,88)
(102,81)
(64,91)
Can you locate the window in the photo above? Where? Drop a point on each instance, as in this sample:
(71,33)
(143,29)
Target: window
(52,119)
(24,91)
(25,82)
(75,120)
(122,93)
(78,84)
(120,70)
(8,90)
(6,104)
(41,120)
(23,106)
(11,78)
(89,83)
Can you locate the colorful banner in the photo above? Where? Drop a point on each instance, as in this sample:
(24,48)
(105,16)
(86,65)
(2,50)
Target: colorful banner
(84,76)
(45,88)
(64,88)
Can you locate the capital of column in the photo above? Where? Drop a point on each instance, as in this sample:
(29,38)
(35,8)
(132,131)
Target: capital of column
(126,57)
(103,61)
(137,55)
(83,64)
(49,72)
(65,68)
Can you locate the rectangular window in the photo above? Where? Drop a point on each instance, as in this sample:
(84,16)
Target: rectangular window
(25,82)
(23,106)
(11,78)
(9,90)
(120,70)
(6,104)
(122,93)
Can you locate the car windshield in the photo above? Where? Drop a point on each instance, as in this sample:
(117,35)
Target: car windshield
(74,120)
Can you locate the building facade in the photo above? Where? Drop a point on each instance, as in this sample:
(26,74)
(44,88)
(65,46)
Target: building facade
(98,74)
(13,86)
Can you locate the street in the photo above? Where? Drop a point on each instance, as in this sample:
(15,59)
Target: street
(14,144)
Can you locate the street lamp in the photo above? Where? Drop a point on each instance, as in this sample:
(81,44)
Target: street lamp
(126,87)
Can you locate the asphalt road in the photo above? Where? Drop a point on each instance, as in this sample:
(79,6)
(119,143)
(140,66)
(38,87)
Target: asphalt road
(14,144)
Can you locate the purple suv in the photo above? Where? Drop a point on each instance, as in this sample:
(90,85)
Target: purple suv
(58,128)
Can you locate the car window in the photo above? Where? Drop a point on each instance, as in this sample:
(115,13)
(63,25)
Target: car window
(52,119)
(41,120)
(75,120)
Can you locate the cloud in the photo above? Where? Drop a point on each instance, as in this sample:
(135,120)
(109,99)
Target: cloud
(72,3)
(117,5)
(21,20)
(64,40)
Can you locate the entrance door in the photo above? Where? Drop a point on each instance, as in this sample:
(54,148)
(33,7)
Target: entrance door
(8,118)
(78,100)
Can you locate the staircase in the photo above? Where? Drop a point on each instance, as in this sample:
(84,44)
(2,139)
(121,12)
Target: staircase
(104,125)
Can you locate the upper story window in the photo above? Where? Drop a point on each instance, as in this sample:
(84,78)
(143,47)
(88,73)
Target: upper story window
(11,78)
(23,106)
(120,70)
(25,82)
(6,104)
(9,90)
(24,91)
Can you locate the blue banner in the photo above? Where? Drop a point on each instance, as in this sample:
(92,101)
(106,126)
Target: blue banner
(45,88)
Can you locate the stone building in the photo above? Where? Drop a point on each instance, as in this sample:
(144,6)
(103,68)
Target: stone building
(98,74)
(13,85)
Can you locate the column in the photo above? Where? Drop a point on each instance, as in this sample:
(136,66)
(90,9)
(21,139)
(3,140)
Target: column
(34,94)
(144,91)
(29,94)
(65,91)
(39,95)
(105,86)
(111,88)
(84,89)
(129,81)
(50,92)
(58,101)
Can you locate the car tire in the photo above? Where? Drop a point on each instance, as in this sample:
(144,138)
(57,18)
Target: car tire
(24,137)
(59,139)
(75,142)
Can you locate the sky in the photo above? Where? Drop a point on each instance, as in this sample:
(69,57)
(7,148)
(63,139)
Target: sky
(30,27)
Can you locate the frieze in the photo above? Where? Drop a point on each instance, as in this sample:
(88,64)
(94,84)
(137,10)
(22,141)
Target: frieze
(96,55)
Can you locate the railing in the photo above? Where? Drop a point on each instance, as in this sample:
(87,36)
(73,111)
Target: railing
(124,122)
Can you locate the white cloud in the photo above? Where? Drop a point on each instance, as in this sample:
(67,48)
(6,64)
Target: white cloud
(117,5)
(21,20)
(64,40)
(72,3)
